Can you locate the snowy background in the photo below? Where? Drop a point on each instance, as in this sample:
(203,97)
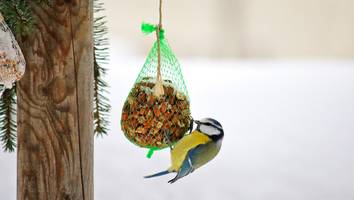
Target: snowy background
(284,95)
(288,134)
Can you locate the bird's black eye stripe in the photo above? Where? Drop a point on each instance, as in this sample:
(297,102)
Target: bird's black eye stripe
(214,121)
(207,123)
(210,124)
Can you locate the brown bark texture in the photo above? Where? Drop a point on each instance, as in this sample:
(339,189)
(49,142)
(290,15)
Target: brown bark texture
(55,122)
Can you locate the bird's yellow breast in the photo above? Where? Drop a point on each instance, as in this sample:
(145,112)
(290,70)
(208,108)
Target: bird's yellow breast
(188,142)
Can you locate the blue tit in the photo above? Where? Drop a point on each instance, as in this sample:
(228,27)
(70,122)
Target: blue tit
(195,149)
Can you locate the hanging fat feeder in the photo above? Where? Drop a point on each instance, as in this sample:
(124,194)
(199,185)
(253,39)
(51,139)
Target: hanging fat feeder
(156,113)
(12,62)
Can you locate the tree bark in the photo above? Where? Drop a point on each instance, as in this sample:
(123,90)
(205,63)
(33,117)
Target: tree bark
(55,122)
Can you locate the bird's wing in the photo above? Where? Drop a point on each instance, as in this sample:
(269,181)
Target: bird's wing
(195,158)
(203,153)
(181,149)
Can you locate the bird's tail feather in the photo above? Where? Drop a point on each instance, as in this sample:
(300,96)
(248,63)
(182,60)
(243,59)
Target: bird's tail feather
(158,174)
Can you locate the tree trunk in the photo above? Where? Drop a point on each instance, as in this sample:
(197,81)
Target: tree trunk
(55,122)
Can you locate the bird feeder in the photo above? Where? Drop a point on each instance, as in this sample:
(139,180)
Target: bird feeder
(12,62)
(156,112)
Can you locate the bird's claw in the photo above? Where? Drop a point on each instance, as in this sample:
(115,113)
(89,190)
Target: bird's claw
(168,141)
(191,125)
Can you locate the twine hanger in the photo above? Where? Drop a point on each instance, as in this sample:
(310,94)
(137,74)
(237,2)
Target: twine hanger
(158,89)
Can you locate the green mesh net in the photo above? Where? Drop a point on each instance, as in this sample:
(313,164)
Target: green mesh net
(170,67)
(157,121)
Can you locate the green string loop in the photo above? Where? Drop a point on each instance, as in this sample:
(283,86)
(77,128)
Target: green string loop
(151,152)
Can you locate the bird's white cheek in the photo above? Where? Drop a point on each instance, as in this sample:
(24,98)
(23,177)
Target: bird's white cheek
(208,130)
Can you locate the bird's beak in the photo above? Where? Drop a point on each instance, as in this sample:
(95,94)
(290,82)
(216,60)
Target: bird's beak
(197,122)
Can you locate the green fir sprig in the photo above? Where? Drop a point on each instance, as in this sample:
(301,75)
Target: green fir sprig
(18,16)
(101,55)
(8,124)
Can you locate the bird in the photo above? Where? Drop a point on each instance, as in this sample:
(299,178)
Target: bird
(195,149)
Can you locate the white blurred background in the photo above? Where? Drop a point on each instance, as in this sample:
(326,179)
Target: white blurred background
(241,28)
(278,75)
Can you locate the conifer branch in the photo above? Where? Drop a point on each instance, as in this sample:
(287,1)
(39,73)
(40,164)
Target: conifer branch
(8,124)
(101,102)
